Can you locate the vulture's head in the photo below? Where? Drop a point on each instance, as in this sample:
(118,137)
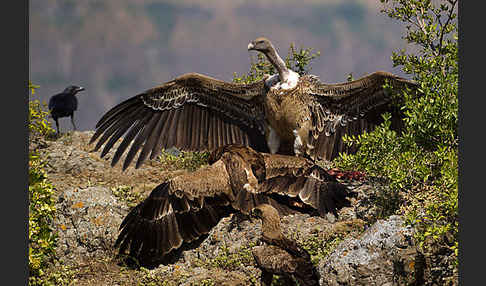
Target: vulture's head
(264,210)
(261,44)
(270,220)
(73,89)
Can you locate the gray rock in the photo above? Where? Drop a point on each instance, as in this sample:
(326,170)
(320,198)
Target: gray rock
(384,255)
(87,222)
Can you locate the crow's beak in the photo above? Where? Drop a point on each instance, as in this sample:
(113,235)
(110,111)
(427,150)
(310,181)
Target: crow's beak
(251,46)
(80,88)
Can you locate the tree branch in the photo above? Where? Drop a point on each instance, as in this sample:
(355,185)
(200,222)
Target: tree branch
(449,17)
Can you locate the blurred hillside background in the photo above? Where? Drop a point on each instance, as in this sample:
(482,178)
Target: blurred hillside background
(119,48)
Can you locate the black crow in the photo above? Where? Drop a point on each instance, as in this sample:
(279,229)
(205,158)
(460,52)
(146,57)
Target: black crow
(64,104)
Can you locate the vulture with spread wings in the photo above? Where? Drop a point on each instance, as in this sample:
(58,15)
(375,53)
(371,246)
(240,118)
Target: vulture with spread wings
(182,210)
(285,113)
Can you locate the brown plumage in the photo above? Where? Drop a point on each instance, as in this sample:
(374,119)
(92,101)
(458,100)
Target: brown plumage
(310,117)
(197,112)
(192,112)
(281,255)
(183,210)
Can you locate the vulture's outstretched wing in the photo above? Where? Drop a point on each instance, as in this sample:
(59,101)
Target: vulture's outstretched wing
(193,112)
(178,211)
(185,208)
(350,108)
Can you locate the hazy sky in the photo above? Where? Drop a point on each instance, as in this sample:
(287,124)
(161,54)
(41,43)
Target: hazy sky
(118,48)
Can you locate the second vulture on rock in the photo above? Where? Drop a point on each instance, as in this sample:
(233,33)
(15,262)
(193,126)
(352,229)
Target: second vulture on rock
(280,255)
(284,113)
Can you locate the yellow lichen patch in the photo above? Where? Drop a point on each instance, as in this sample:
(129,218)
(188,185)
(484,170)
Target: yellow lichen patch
(411,265)
(78,205)
(98,220)
(62,226)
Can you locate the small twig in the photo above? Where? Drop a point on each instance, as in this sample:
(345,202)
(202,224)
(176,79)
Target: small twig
(421,21)
(449,17)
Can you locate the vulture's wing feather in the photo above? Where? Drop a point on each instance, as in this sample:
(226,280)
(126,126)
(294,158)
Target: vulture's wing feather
(299,177)
(350,108)
(177,212)
(193,112)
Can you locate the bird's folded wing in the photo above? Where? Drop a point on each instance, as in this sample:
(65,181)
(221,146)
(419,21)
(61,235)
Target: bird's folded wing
(298,177)
(193,112)
(351,108)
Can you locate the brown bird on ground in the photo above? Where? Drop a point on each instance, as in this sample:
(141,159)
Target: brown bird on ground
(286,113)
(280,255)
(181,211)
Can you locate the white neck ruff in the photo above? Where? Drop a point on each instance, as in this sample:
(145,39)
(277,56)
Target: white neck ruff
(275,84)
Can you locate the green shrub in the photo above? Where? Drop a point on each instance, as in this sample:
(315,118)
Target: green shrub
(38,118)
(41,213)
(421,161)
(42,239)
(62,275)
(127,195)
(185,160)
(319,248)
(232,260)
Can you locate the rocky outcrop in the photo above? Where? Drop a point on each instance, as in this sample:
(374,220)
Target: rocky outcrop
(347,250)
(383,255)
(438,260)
(87,222)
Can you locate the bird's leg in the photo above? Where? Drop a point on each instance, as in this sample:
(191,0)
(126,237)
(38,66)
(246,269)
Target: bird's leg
(72,121)
(57,126)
